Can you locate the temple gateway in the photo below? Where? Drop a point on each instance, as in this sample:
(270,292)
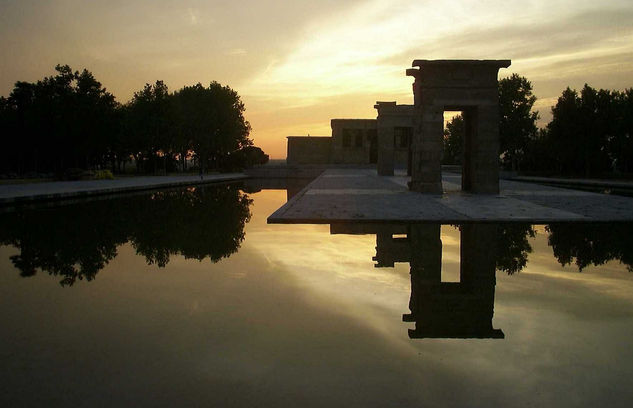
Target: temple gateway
(411,136)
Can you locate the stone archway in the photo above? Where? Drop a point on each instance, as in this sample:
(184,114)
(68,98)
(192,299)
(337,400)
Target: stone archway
(470,86)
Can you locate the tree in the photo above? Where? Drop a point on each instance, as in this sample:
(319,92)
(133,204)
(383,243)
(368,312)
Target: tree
(620,142)
(246,157)
(196,223)
(69,120)
(212,121)
(517,122)
(539,154)
(149,125)
(10,144)
(513,247)
(564,129)
(591,244)
(94,119)
(58,122)
(454,141)
(580,130)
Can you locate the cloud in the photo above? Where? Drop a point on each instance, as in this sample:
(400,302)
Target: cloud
(329,57)
(236,51)
(564,35)
(193,16)
(368,47)
(365,49)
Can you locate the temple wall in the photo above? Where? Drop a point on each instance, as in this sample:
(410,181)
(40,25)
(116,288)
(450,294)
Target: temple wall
(351,140)
(308,150)
(392,152)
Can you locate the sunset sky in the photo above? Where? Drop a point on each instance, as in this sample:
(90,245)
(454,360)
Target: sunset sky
(299,63)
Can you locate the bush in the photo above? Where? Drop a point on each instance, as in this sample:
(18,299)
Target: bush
(103,175)
(246,157)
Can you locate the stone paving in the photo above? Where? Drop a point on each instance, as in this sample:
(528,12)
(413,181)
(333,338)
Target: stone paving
(19,193)
(360,195)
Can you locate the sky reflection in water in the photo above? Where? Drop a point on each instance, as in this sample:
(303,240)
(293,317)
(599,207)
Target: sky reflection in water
(293,315)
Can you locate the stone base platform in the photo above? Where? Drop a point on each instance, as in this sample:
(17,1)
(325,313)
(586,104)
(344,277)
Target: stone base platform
(360,195)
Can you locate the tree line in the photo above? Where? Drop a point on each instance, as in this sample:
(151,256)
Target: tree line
(590,134)
(69,120)
(76,241)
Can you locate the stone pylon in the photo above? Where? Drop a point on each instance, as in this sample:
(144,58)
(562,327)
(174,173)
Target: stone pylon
(469,86)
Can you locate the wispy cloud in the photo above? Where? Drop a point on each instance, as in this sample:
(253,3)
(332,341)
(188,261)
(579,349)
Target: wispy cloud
(369,47)
(297,64)
(236,51)
(193,16)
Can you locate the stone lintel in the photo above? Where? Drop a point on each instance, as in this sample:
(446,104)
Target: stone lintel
(414,72)
(471,75)
(391,108)
(460,63)
(382,104)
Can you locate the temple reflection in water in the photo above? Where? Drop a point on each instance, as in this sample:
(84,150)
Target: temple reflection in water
(439,309)
(465,309)
(76,241)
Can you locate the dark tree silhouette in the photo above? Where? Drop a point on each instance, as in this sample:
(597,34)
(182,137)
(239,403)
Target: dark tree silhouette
(73,242)
(510,245)
(148,126)
(517,122)
(620,142)
(591,244)
(195,223)
(69,121)
(513,247)
(59,122)
(454,141)
(579,131)
(210,121)
(246,157)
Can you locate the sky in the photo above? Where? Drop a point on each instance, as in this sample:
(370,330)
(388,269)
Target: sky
(297,64)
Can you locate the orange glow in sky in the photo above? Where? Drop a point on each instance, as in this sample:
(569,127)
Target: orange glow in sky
(298,64)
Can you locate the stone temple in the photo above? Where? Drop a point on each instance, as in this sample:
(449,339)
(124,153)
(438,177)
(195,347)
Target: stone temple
(411,136)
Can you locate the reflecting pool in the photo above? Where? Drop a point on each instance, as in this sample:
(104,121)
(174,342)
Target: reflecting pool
(188,298)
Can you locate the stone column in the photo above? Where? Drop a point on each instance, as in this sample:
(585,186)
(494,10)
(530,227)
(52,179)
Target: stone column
(385,151)
(427,146)
(477,278)
(385,134)
(426,252)
(485,150)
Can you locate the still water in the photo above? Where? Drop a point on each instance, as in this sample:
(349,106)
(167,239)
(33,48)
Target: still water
(188,298)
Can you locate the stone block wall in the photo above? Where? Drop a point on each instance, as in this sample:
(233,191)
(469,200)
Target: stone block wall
(308,150)
(391,152)
(351,140)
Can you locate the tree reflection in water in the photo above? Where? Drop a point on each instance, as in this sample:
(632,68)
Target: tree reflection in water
(592,244)
(512,246)
(465,309)
(77,241)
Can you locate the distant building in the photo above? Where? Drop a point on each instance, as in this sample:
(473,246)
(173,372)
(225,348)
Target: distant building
(357,141)
(412,136)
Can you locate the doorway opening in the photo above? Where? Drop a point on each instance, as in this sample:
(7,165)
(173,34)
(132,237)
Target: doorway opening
(460,127)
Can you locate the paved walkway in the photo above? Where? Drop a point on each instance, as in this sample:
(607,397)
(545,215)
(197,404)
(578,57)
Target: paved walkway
(355,195)
(57,190)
